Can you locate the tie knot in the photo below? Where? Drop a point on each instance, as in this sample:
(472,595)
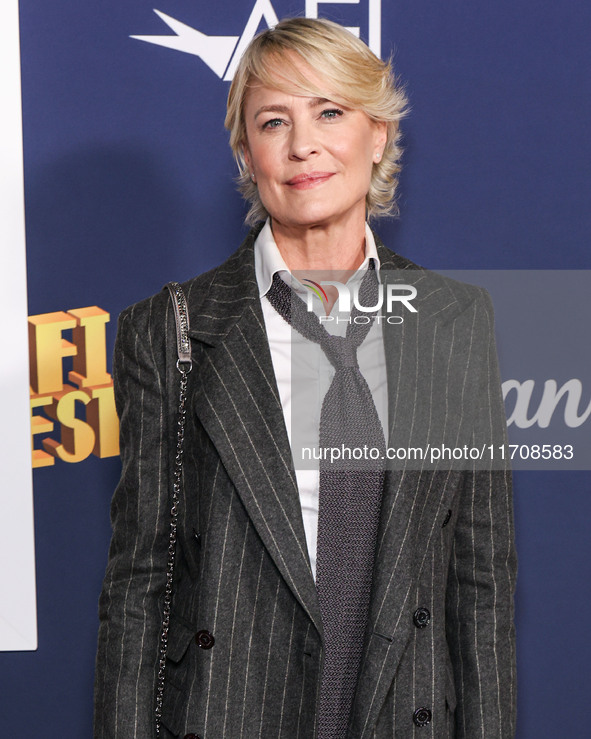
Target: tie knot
(341,351)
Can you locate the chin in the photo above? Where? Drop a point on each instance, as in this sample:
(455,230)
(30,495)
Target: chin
(309,217)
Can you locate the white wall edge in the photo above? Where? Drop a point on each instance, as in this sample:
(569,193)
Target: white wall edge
(18,617)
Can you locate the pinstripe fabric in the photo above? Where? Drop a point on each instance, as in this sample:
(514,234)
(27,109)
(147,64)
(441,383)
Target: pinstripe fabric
(243,571)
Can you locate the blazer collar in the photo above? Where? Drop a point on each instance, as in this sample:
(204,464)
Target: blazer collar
(232,288)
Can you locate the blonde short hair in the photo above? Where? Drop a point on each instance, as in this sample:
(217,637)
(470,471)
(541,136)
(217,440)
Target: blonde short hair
(353,77)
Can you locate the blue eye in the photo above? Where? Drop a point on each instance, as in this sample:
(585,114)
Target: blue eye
(331,113)
(273,123)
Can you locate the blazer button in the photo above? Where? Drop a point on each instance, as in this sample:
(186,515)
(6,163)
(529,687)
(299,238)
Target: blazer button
(421,618)
(422,717)
(191,736)
(446,519)
(204,640)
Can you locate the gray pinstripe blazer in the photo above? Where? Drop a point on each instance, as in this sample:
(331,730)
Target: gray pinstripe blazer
(243,572)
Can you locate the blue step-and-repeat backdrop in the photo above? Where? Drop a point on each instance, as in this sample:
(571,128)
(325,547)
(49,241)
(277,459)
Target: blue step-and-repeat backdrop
(129,183)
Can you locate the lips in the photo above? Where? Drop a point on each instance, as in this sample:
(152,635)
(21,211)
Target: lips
(309,179)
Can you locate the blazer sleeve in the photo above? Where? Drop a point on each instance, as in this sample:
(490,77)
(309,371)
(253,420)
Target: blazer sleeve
(483,568)
(130,610)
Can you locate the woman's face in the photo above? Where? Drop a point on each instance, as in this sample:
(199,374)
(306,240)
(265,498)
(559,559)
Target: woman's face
(312,159)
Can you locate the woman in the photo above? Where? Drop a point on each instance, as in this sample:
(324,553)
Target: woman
(331,602)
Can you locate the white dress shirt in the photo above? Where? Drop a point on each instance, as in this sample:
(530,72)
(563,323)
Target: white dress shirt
(303,373)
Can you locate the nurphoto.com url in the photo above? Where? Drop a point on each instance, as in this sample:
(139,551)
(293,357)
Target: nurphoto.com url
(432,454)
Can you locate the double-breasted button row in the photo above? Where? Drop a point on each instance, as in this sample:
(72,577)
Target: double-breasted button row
(422,717)
(421,618)
(204,639)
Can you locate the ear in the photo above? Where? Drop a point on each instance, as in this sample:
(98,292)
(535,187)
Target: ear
(246,154)
(381,136)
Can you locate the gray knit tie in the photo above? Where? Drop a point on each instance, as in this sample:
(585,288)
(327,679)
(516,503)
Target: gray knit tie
(349,501)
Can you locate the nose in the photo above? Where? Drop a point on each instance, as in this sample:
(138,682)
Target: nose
(303,141)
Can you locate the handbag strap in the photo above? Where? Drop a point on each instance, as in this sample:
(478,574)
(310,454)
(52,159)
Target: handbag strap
(184,365)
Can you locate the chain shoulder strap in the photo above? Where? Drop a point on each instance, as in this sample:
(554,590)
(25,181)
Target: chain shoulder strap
(184,365)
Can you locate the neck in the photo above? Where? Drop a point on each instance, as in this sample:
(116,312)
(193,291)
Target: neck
(323,252)
(338,247)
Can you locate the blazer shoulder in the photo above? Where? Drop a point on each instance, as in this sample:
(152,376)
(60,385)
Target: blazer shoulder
(149,314)
(438,293)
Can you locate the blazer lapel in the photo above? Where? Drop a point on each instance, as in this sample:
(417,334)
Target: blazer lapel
(415,501)
(237,402)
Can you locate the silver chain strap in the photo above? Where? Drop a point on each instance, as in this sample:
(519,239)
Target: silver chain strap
(184,366)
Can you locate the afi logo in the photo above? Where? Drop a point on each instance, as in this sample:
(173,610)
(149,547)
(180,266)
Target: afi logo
(222,53)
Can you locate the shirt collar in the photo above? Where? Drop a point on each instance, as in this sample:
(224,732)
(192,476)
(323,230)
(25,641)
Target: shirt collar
(268,259)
